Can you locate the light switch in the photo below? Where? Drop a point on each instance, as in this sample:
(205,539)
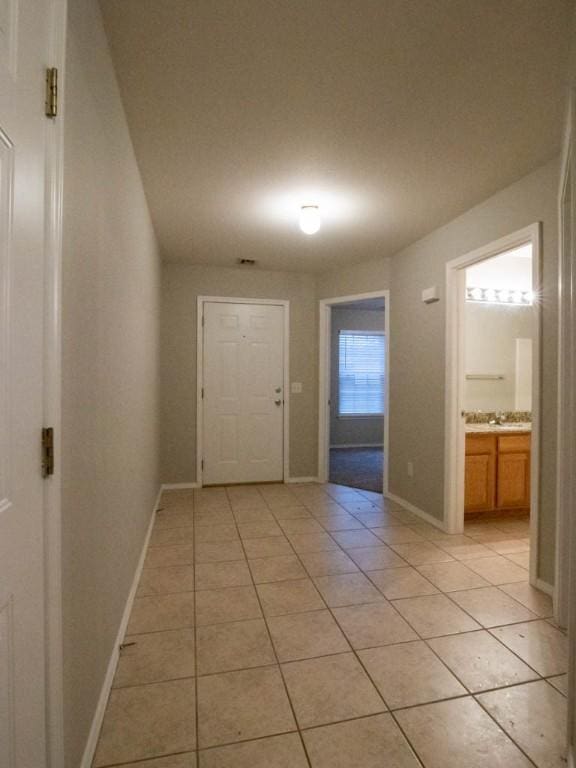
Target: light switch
(296,388)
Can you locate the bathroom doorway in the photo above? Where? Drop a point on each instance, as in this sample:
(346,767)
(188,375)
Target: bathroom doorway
(493,353)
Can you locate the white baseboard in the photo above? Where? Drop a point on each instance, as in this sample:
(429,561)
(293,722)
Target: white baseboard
(301,480)
(357,445)
(185,486)
(94,733)
(416,510)
(543,586)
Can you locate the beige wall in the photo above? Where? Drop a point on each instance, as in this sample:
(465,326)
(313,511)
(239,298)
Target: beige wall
(418,345)
(181,286)
(359,278)
(348,430)
(110,370)
(417,338)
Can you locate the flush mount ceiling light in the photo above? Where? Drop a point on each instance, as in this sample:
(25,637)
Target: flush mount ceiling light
(310,221)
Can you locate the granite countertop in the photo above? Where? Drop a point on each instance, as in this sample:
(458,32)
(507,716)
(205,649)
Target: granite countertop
(522,426)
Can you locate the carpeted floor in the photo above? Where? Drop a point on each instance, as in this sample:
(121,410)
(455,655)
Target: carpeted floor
(357,467)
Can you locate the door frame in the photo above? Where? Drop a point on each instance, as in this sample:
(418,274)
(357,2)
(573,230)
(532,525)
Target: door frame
(565,592)
(324,380)
(53,236)
(285,304)
(455,380)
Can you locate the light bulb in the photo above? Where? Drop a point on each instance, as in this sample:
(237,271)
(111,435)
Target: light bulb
(528,297)
(503,296)
(476,294)
(490,294)
(310,219)
(517,297)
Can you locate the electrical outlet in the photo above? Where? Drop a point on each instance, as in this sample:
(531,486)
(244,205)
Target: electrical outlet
(410,469)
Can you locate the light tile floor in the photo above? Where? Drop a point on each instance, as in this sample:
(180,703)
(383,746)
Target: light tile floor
(324,627)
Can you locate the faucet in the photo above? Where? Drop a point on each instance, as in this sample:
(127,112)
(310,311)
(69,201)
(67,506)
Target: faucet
(497,419)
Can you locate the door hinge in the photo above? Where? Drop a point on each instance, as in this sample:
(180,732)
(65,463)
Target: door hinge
(202,463)
(47,451)
(51,105)
(202,393)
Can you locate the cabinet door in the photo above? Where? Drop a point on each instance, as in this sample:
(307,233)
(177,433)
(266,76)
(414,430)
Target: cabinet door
(479,483)
(513,480)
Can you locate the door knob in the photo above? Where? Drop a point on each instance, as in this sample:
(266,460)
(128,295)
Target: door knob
(277,402)
(278,390)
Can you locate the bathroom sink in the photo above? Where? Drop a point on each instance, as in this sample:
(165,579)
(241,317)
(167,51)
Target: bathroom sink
(524,426)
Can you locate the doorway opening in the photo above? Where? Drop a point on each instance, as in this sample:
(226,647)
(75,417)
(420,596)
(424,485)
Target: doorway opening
(354,341)
(493,398)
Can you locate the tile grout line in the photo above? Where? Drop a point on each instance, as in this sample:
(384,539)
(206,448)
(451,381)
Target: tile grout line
(359,660)
(271,641)
(468,693)
(425,640)
(196,697)
(503,729)
(340,548)
(369,677)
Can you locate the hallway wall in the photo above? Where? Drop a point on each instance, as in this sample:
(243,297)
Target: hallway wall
(417,339)
(181,286)
(358,278)
(110,369)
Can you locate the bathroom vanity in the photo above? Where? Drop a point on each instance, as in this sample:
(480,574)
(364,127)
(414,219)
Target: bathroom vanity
(497,467)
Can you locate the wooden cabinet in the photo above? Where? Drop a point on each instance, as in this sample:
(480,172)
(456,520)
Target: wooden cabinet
(513,472)
(497,472)
(480,481)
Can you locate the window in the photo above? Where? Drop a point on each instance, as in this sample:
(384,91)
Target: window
(361,373)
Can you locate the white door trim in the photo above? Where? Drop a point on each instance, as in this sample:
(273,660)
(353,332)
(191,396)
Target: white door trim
(565,592)
(324,380)
(200,375)
(566,483)
(53,392)
(454,426)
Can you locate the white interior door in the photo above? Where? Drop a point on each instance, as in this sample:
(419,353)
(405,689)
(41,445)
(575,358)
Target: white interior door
(243,402)
(24,41)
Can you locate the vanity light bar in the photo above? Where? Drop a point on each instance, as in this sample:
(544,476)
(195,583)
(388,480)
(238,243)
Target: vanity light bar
(499,296)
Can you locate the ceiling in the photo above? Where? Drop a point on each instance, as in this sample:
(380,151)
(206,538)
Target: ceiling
(392,116)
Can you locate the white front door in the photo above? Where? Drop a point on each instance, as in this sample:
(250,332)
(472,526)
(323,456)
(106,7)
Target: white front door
(24,30)
(243,403)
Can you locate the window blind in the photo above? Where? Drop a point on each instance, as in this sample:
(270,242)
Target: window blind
(361,367)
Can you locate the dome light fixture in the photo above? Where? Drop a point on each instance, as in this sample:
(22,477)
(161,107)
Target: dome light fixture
(310,220)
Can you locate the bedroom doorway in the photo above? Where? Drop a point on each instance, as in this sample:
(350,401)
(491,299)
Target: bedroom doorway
(354,391)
